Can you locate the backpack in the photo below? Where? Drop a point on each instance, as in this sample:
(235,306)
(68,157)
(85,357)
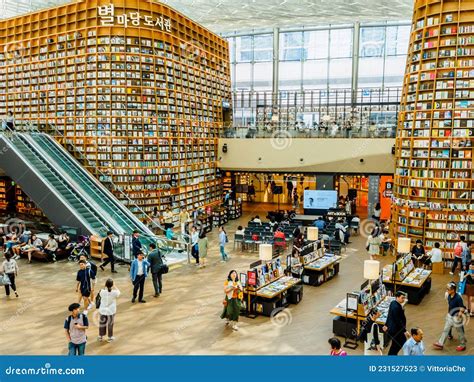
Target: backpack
(69,319)
(98,300)
(458,250)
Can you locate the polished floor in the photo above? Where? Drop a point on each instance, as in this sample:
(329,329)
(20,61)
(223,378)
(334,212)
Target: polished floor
(185,319)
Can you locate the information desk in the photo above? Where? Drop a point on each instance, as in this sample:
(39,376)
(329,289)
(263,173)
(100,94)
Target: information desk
(416,284)
(321,270)
(266,299)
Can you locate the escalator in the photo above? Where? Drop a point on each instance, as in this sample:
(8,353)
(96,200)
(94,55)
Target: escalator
(56,195)
(94,190)
(69,195)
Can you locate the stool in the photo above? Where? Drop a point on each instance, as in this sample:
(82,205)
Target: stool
(438,268)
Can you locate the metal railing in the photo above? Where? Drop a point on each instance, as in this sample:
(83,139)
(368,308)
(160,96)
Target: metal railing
(337,113)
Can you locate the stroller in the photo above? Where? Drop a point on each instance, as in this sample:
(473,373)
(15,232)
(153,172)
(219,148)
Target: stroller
(82,247)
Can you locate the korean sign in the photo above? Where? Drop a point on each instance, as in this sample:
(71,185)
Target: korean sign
(108,17)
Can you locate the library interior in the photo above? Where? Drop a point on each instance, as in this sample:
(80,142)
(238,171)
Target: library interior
(177,177)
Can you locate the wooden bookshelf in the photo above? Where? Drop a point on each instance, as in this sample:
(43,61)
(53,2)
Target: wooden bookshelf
(3,194)
(433,192)
(24,205)
(138,90)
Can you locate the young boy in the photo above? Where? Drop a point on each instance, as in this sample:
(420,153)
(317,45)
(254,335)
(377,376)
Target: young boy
(85,285)
(75,326)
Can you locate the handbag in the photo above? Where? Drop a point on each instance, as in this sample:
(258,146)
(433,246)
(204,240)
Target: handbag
(164,269)
(4,279)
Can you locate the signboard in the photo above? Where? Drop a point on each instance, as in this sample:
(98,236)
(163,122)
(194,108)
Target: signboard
(107,17)
(373,194)
(251,278)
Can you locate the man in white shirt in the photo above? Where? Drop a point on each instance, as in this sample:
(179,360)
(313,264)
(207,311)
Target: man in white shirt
(257,220)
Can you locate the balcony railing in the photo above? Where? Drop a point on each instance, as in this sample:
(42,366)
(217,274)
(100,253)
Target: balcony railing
(336,113)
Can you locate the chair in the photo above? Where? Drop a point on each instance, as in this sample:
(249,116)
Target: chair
(354,226)
(238,239)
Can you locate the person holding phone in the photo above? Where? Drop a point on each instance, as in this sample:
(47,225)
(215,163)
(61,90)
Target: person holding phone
(232,302)
(75,327)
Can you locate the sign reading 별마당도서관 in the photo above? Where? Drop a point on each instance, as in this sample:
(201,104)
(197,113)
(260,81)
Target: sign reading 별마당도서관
(108,17)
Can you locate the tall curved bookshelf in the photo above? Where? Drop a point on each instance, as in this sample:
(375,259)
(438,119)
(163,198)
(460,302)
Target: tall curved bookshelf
(433,183)
(136,87)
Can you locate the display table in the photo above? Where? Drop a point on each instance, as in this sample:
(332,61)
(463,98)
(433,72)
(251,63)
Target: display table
(321,270)
(415,284)
(266,299)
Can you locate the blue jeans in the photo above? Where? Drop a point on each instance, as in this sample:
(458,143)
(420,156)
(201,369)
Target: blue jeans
(80,349)
(223,254)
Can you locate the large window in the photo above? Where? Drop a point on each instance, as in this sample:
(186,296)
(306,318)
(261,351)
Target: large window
(251,62)
(382,52)
(321,58)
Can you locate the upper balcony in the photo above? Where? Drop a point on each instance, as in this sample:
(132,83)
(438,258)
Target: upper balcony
(335,113)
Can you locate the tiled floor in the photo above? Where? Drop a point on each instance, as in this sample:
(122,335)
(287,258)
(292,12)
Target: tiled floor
(185,319)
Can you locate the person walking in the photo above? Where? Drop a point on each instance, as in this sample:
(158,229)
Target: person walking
(454,318)
(222,242)
(136,244)
(459,248)
(108,249)
(156,267)
(194,244)
(232,301)
(85,285)
(138,274)
(75,326)
(107,310)
(396,322)
(370,334)
(373,244)
(10,268)
(466,257)
(203,243)
(414,345)
(466,287)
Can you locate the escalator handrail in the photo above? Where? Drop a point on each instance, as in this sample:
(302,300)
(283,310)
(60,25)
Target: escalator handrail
(116,188)
(95,207)
(51,188)
(95,188)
